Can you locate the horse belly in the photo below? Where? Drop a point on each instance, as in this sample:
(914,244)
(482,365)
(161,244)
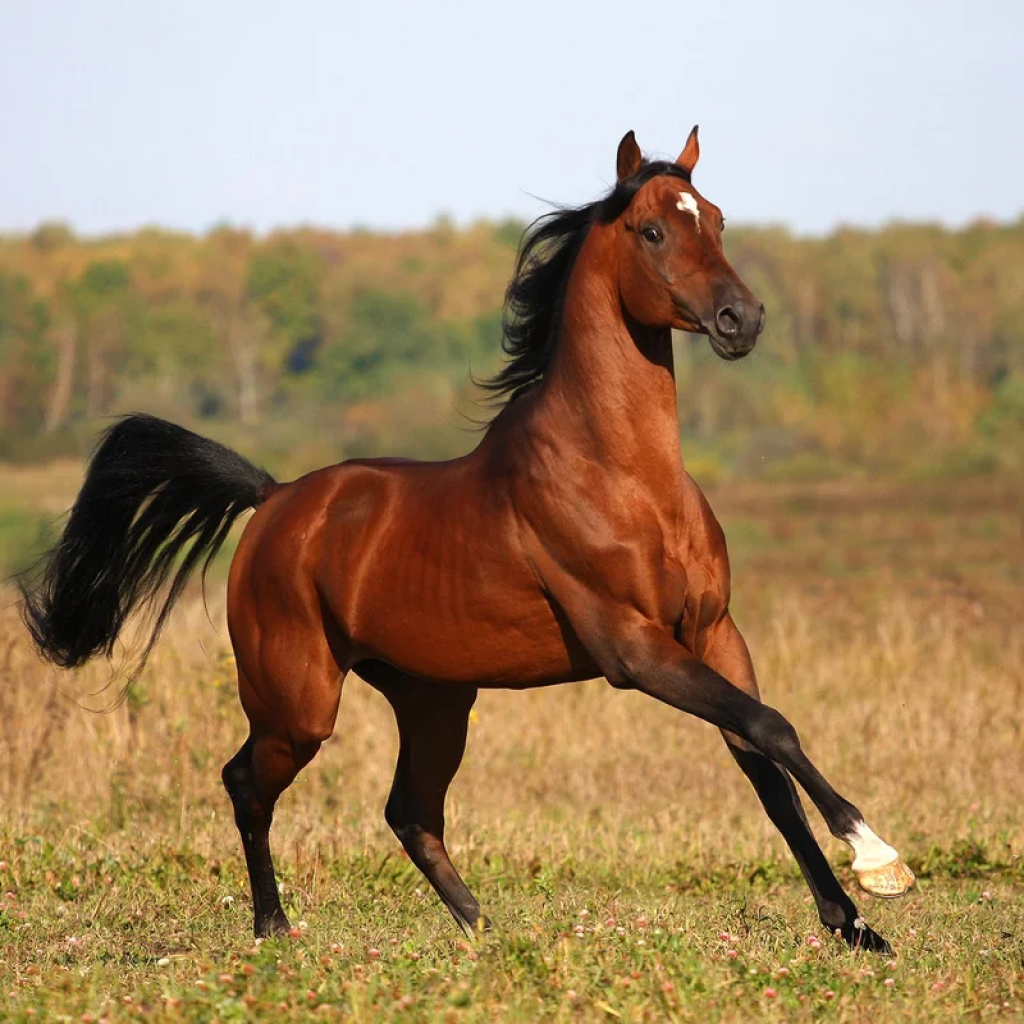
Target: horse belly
(459,630)
(506,638)
(431,581)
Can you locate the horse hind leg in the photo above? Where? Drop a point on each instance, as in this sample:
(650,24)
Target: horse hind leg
(254,778)
(432,725)
(280,745)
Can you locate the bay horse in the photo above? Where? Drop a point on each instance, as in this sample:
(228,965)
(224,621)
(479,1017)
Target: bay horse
(570,544)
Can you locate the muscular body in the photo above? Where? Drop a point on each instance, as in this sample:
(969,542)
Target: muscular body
(570,544)
(610,561)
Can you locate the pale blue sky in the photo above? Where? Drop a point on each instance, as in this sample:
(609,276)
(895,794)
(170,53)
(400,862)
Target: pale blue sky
(118,113)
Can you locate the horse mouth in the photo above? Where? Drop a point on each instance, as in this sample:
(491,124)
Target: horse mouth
(723,350)
(729,349)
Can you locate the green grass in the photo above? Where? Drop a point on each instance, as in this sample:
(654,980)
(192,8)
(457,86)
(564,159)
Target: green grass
(22,531)
(100,929)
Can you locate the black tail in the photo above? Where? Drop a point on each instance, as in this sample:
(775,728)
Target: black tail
(153,492)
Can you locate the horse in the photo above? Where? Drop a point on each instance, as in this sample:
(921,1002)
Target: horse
(570,544)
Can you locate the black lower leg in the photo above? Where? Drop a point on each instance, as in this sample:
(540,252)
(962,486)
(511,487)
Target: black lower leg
(699,690)
(772,734)
(432,726)
(253,821)
(782,804)
(427,851)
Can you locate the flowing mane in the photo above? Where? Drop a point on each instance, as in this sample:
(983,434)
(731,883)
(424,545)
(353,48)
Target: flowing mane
(533,300)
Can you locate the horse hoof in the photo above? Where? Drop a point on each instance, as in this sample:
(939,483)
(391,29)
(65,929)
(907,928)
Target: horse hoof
(889,881)
(273,925)
(863,939)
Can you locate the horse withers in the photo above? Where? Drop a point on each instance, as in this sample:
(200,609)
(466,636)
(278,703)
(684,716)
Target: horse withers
(571,543)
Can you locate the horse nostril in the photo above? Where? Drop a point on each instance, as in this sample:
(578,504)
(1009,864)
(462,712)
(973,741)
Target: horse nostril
(760,321)
(728,322)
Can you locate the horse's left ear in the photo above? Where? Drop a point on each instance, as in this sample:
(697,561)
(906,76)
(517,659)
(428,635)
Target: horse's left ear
(691,152)
(629,158)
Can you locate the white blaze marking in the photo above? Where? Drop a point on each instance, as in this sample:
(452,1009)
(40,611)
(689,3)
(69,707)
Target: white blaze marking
(869,851)
(689,205)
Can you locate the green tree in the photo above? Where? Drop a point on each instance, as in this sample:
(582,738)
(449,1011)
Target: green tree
(285,281)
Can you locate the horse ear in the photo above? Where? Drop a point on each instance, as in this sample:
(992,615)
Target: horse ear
(629,158)
(691,152)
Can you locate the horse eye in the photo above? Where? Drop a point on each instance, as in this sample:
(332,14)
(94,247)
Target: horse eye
(652,234)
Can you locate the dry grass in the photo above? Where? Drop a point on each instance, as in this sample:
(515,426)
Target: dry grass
(911,712)
(51,486)
(907,696)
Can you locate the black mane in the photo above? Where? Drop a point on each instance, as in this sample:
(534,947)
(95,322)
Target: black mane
(533,301)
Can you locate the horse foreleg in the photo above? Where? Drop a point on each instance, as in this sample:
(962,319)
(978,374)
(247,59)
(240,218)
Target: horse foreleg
(650,660)
(726,652)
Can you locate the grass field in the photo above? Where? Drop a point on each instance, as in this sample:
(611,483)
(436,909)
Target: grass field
(628,867)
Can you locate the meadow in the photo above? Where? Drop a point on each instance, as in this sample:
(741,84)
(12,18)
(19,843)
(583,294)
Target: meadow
(628,868)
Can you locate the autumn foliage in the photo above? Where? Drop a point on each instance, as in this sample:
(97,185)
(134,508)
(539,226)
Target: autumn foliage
(899,350)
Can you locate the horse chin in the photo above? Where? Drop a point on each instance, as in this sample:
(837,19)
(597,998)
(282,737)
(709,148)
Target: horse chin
(723,351)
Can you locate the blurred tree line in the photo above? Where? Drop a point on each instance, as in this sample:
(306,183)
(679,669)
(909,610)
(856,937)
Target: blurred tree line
(897,350)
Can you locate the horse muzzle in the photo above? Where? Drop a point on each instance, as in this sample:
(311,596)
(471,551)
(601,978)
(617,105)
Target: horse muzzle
(735,329)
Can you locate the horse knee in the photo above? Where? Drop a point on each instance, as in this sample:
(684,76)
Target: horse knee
(309,731)
(423,846)
(263,769)
(772,734)
(625,662)
(237,773)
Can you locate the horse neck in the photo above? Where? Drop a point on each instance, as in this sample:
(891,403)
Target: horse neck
(612,382)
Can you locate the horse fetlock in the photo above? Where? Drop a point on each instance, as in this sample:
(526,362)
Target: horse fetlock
(834,915)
